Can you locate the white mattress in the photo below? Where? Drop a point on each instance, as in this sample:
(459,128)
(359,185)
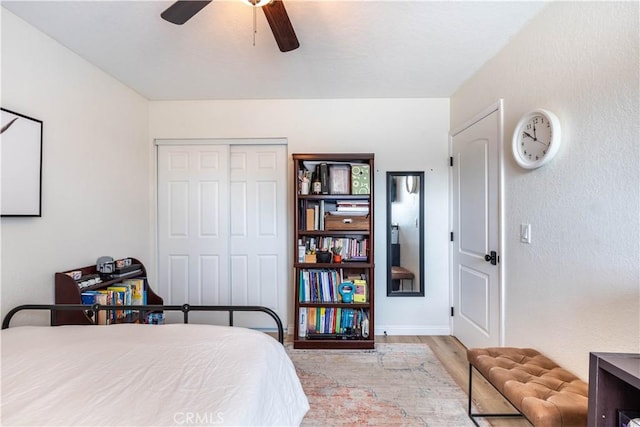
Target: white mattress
(147,375)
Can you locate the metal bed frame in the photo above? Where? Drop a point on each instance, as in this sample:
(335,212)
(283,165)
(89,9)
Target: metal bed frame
(142,309)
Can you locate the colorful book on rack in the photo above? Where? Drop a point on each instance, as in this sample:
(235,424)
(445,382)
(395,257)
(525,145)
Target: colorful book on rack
(311,320)
(102,298)
(137,291)
(119,297)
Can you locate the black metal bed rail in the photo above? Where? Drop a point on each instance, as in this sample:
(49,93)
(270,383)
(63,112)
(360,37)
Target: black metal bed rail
(143,309)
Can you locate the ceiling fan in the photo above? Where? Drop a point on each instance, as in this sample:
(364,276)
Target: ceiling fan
(183,10)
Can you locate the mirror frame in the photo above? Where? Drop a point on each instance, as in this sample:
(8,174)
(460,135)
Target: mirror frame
(390,184)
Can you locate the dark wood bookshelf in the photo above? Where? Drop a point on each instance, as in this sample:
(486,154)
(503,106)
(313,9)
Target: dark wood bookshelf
(363,268)
(68,291)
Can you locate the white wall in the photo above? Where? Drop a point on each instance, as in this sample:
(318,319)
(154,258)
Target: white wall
(404,134)
(95,184)
(576,287)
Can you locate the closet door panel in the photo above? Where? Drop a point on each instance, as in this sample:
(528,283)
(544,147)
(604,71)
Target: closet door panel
(258,224)
(193,224)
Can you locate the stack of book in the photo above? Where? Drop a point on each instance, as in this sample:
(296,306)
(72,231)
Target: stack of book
(330,320)
(320,286)
(352,207)
(129,292)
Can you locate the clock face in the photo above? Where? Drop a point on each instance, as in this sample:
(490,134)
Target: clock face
(536,139)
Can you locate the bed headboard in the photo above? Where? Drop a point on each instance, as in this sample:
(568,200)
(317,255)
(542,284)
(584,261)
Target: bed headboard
(184,308)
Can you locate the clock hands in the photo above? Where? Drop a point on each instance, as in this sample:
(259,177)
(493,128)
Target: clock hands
(534,136)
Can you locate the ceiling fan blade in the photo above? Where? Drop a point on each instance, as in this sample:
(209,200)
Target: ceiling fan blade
(183,10)
(281,26)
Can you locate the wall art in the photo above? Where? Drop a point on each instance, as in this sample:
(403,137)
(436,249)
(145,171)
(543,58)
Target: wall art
(20,165)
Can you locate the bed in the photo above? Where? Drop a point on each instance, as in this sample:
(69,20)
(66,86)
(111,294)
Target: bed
(136,374)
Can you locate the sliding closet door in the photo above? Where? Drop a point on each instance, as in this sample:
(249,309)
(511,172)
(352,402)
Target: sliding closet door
(222,227)
(193,224)
(258,263)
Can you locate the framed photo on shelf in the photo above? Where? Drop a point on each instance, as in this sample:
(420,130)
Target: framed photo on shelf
(339,176)
(20,165)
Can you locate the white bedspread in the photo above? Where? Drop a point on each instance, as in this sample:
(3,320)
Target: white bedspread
(182,375)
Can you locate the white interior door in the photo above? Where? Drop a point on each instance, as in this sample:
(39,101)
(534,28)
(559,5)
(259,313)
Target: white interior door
(222,227)
(476,230)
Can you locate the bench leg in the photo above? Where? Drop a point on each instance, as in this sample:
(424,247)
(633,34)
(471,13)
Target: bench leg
(473,416)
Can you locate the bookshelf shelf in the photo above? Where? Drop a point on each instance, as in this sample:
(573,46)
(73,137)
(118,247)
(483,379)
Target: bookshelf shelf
(353,305)
(331,233)
(68,291)
(332,266)
(343,222)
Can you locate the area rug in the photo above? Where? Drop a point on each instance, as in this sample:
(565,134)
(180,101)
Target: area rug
(395,384)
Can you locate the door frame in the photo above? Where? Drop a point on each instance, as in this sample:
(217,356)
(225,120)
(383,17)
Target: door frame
(499,107)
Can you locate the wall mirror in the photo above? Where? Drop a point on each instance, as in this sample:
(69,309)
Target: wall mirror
(405,234)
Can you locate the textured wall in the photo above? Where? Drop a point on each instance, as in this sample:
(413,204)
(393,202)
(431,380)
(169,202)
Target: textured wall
(95,181)
(576,287)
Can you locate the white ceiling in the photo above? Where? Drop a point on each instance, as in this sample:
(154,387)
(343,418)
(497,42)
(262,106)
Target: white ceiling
(348,48)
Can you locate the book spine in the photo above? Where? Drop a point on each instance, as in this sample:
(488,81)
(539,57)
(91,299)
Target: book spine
(324,178)
(310,219)
(303,322)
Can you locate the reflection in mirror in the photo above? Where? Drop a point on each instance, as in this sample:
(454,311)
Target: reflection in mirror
(405,234)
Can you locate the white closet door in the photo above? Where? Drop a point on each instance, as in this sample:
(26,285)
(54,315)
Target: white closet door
(222,227)
(258,264)
(193,224)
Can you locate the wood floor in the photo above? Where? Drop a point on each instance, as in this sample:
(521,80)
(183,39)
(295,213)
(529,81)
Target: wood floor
(453,356)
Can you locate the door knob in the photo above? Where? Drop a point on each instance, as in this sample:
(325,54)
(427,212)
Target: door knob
(492,258)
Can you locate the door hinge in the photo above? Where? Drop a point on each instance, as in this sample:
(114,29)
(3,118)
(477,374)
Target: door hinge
(451,311)
(451,237)
(451,161)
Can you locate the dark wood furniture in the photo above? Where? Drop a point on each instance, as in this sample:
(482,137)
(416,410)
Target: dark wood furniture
(67,291)
(614,385)
(358,227)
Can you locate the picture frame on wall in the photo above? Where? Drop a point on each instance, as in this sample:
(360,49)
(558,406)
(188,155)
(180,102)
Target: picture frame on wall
(20,165)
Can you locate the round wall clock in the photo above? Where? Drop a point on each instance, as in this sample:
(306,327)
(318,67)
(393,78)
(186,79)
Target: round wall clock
(536,139)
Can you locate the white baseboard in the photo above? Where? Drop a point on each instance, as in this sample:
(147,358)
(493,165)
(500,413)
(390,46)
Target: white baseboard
(412,330)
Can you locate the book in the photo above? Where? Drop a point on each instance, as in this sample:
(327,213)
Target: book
(316,217)
(119,297)
(302,323)
(102,298)
(360,295)
(321,216)
(110,314)
(88,297)
(310,219)
(360,179)
(137,291)
(311,320)
(324,178)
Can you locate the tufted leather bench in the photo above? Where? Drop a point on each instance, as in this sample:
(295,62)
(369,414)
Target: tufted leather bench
(546,394)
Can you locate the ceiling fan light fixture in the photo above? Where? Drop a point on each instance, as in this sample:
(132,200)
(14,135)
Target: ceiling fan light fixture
(256,3)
